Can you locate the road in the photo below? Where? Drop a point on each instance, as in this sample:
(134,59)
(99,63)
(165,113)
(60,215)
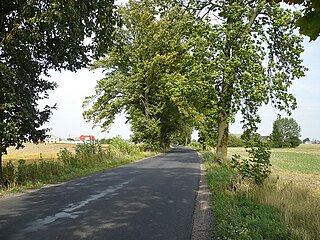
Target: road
(150,199)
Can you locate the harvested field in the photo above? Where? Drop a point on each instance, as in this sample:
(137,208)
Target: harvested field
(32,152)
(300,165)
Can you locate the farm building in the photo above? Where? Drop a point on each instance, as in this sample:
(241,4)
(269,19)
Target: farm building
(53,139)
(87,138)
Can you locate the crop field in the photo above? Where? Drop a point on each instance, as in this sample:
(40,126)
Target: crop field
(300,165)
(32,152)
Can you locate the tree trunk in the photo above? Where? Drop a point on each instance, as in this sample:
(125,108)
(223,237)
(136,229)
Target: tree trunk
(1,178)
(164,139)
(146,104)
(225,103)
(223,133)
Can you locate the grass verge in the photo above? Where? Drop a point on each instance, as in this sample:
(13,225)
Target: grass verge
(236,215)
(275,210)
(86,159)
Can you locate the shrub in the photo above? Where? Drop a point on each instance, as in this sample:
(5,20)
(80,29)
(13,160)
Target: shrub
(234,141)
(257,166)
(9,175)
(67,158)
(196,145)
(237,216)
(86,156)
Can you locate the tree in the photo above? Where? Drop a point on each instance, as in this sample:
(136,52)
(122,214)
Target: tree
(145,74)
(254,57)
(309,22)
(285,133)
(235,141)
(36,36)
(306,140)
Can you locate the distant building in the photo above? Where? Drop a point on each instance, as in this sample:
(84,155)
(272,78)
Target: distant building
(53,139)
(87,138)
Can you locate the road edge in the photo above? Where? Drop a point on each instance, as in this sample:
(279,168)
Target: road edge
(203,227)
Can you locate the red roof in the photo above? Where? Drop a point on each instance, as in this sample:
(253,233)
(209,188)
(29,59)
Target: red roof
(87,137)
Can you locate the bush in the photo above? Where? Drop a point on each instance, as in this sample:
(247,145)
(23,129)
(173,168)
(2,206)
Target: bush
(234,141)
(237,216)
(67,158)
(86,156)
(9,175)
(257,166)
(196,145)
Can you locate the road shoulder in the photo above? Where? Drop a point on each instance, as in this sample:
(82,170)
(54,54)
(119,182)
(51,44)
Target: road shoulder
(203,220)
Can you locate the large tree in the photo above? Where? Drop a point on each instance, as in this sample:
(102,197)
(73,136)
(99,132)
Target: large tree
(145,73)
(36,36)
(285,133)
(254,57)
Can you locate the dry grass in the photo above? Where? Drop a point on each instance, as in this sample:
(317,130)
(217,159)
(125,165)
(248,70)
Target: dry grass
(300,209)
(294,188)
(299,165)
(32,152)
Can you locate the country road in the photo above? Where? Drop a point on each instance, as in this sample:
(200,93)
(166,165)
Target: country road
(150,199)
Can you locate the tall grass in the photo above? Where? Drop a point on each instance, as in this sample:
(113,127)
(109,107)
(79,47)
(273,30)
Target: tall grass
(300,209)
(87,158)
(274,210)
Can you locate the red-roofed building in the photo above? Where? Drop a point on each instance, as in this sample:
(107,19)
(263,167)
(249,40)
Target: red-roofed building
(87,138)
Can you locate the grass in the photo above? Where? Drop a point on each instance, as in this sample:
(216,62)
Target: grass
(237,216)
(291,195)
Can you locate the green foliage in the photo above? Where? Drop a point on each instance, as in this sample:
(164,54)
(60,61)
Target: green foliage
(119,147)
(257,166)
(9,175)
(146,73)
(309,22)
(251,55)
(87,156)
(285,133)
(306,140)
(234,141)
(237,216)
(182,136)
(196,145)
(36,36)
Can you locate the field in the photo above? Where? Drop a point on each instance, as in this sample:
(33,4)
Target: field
(285,206)
(300,165)
(32,152)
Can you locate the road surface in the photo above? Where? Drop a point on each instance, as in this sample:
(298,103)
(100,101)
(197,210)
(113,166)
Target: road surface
(150,199)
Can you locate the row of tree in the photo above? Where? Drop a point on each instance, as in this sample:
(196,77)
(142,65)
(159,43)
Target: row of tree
(285,134)
(176,66)
(172,65)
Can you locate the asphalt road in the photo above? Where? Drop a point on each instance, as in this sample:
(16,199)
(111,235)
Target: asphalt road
(150,199)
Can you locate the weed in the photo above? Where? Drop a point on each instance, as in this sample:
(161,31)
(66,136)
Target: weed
(87,158)
(237,215)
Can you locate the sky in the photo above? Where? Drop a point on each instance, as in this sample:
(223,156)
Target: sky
(67,121)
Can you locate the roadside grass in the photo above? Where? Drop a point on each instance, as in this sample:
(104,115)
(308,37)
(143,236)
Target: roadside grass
(290,197)
(83,160)
(238,216)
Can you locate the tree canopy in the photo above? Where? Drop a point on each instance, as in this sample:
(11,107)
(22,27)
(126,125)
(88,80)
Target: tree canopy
(145,74)
(36,36)
(309,22)
(254,55)
(285,133)
(197,65)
